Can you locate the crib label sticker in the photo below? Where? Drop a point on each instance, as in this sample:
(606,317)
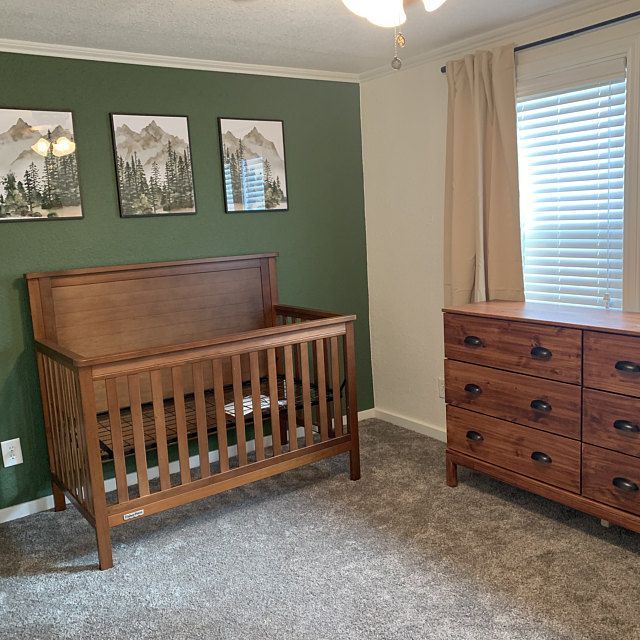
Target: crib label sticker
(133,514)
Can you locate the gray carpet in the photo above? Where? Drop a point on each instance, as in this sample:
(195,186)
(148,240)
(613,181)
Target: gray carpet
(312,555)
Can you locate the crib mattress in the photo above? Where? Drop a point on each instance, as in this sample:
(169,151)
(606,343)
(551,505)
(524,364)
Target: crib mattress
(104,427)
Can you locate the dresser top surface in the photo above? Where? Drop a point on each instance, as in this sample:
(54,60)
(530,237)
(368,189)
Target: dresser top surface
(626,322)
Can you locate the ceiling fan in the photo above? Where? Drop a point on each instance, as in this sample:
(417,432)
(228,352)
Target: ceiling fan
(387,13)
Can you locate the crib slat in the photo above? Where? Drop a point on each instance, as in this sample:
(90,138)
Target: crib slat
(321,381)
(257,405)
(335,384)
(53,420)
(181,424)
(327,375)
(138,434)
(221,418)
(238,397)
(306,394)
(162,449)
(82,440)
(64,439)
(64,426)
(70,430)
(273,402)
(291,398)
(117,447)
(201,419)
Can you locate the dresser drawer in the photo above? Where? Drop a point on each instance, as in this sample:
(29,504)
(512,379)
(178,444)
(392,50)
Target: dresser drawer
(544,404)
(612,362)
(611,477)
(532,453)
(538,350)
(611,421)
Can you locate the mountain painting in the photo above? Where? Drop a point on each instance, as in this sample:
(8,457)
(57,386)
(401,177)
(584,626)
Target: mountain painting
(153,165)
(38,168)
(254,171)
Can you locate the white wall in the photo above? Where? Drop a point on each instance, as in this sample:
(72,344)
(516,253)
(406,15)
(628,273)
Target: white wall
(404,135)
(404,130)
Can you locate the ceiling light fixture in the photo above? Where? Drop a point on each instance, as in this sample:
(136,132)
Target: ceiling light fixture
(389,13)
(432,5)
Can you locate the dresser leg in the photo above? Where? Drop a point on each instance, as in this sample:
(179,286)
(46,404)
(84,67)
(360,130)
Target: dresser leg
(452,472)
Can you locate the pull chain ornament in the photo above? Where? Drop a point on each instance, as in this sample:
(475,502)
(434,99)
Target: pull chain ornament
(399,41)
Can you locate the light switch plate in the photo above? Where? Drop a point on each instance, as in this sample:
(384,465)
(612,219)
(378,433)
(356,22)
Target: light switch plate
(11,452)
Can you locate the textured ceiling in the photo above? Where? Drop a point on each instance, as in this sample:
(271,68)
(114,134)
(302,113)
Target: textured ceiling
(308,34)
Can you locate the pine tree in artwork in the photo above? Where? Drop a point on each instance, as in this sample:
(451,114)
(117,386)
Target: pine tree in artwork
(31,183)
(170,175)
(236,181)
(271,197)
(15,203)
(51,189)
(155,188)
(189,196)
(127,189)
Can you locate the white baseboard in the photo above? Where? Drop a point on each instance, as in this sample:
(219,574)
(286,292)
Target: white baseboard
(433,431)
(46,503)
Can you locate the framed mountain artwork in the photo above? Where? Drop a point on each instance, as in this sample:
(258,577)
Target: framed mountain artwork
(38,166)
(153,165)
(253,165)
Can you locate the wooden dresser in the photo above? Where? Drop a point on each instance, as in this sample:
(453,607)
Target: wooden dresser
(547,398)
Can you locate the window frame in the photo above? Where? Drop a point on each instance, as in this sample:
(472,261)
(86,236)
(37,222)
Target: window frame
(615,42)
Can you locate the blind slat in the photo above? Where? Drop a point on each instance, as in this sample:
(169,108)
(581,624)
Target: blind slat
(571,147)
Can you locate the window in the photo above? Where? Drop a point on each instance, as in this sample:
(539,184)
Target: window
(571,139)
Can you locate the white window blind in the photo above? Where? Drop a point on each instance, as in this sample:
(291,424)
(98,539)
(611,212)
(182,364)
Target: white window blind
(571,140)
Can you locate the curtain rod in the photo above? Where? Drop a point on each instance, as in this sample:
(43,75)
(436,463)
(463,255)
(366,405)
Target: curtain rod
(569,34)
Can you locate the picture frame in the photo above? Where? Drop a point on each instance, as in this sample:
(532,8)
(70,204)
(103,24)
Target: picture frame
(153,163)
(253,165)
(39,174)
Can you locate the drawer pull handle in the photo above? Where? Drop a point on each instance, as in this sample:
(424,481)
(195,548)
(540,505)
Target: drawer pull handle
(541,405)
(473,341)
(627,367)
(474,436)
(473,388)
(538,456)
(625,485)
(540,353)
(626,426)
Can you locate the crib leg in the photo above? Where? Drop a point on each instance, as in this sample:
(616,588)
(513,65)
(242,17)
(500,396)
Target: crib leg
(452,472)
(59,500)
(105,552)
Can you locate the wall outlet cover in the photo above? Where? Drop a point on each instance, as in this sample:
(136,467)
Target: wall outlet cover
(11,452)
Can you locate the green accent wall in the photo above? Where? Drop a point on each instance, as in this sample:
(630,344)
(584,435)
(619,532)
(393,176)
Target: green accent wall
(321,240)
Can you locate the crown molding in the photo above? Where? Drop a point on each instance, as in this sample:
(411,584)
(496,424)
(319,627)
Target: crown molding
(154,60)
(517,32)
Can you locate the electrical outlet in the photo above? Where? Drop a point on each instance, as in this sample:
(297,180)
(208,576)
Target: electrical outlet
(11,452)
(441,387)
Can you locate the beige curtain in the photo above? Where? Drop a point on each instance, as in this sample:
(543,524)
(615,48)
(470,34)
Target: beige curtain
(482,223)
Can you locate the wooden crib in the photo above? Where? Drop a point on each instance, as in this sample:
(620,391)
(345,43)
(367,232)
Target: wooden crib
(181,380)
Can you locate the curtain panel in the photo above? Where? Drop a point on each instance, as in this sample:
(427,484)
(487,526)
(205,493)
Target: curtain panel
(482,250)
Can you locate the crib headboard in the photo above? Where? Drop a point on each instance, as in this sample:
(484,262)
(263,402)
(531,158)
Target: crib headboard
(109,310)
